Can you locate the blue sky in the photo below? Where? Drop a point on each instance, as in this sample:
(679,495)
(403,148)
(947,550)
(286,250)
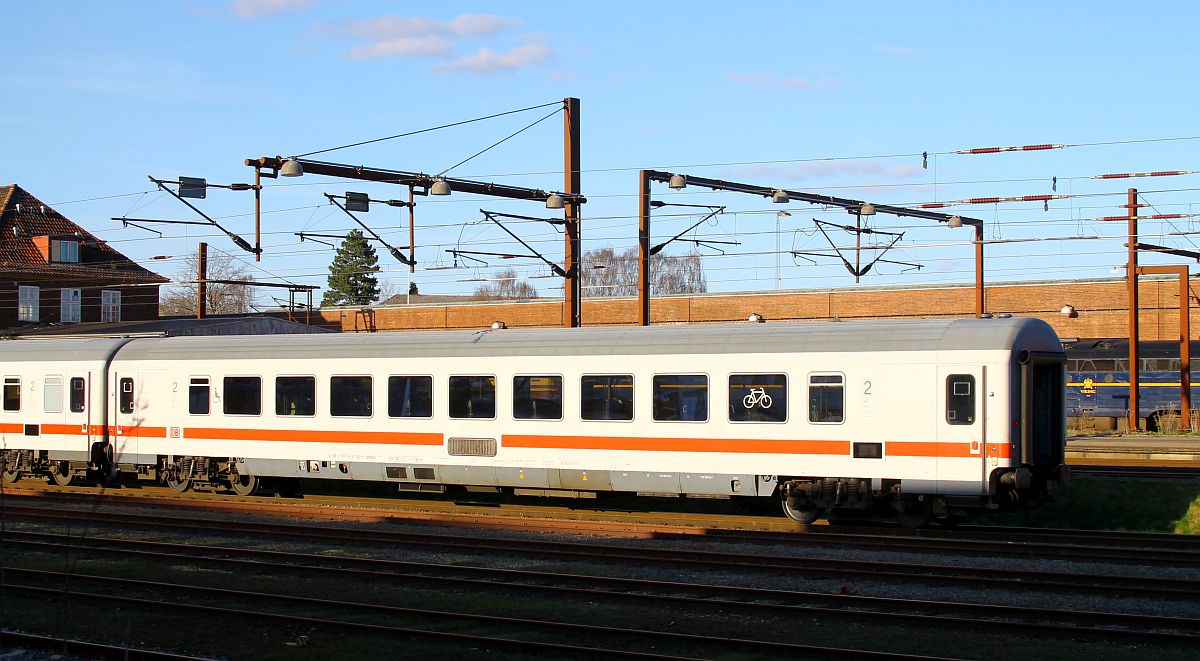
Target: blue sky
(796,95)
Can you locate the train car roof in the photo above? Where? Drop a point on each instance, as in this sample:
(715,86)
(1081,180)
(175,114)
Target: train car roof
(849,336)
(78,350)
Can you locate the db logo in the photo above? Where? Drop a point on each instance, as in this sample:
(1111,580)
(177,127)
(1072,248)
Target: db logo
(175,433)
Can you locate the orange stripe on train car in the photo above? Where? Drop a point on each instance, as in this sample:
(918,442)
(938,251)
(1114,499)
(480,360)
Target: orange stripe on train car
(649,444)
(302,436)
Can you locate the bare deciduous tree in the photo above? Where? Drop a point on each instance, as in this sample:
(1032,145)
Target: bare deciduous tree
(180,299)
(606,273)
(507,287)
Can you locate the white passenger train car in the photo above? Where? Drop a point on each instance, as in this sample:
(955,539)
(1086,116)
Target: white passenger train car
(925,417)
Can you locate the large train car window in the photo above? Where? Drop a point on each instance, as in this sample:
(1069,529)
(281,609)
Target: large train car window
(680,397)
(125,405)
(78,394)
(52,394)
(12,393)
(295,395)
(243,395)
(410,396)
(350,396)
(606,397)
(537,397)
(758,398)
(826,398)
(472,397)
(198,397)
(960,399)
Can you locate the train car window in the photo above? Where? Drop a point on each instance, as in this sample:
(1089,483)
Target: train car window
(242,396)
(125,405)
(12,393)
(826,398)
(606,397)
(350,396)
(198,395)
(295,395)
(537,397)
(410,396)
(78,394)
(472,397)
(758,398)
(680,397)
(960,399)
(52,394)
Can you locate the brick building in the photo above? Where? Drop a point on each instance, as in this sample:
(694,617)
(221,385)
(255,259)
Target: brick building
(1099,308)
(53,271)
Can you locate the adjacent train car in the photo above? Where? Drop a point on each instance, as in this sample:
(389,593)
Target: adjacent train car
(1098,383)
(927,418)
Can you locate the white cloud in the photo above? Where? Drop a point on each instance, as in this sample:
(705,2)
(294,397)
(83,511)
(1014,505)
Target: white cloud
(265,8)
(403,47)
(772,81)
(485,60)
(480,24)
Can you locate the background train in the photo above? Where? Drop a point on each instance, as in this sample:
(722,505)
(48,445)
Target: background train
(1098,384)
(924,418)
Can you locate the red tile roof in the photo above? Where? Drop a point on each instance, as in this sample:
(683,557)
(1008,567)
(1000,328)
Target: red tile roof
(23,216)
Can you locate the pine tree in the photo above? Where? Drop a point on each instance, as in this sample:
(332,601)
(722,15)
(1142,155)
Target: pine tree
(351,274)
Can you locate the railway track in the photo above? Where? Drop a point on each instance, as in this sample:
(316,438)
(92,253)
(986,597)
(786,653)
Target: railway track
(100,532)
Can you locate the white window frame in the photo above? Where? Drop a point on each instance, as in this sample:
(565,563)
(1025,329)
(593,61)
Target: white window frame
(110,305)
(64,250)
(70,306)
(28,303)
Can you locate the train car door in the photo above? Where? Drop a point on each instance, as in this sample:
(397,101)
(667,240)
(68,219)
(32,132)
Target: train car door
(78,412)
(962,439)
(127,420)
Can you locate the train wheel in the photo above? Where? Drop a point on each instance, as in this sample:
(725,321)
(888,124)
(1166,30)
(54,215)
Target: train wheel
(243,485)
(804,514)
(61,474)
(10,476)
(179,485)
(915,513)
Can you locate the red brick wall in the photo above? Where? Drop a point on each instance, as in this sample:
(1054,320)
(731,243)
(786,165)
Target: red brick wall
(138,303)
(1100,306)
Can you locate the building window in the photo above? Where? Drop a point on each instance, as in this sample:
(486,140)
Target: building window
(78,394)
(350,396)
(960,399)
(537,397)
(758,397)
(410,396)
(110,305)
(243,395)
(826,398)
(295,395)
(681,397)
(472,397)
(52,392)
(198,397)
(69,306)
(64,251)
(28,303)
(606,397)
(12,393)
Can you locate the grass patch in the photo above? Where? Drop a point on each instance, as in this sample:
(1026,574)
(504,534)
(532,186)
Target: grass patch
(1109,503)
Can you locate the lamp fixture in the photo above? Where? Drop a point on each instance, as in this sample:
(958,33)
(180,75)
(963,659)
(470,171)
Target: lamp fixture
(677,182)
(499,325)
(867,209)
(780,197)
(291,168)
(756,318)
(955,221)
(440,187)
(1069,311)
(554,201)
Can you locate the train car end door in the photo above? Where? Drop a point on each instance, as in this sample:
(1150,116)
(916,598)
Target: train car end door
(962,435)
